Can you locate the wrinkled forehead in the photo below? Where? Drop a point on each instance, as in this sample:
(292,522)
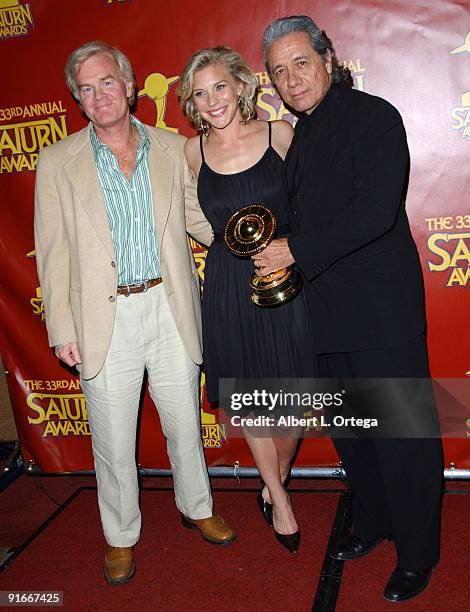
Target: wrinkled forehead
(290,46)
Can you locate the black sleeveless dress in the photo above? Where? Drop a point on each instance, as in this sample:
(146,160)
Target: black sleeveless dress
(240,339)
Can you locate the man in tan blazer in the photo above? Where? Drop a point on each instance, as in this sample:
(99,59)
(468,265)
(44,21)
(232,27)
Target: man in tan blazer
(113,205)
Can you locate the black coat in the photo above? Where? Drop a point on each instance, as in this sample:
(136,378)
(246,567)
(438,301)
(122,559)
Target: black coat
(348,169)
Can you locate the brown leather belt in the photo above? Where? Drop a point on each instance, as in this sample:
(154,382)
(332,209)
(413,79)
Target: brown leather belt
(140,288)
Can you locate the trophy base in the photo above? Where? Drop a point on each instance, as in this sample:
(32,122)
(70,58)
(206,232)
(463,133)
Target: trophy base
(276,288)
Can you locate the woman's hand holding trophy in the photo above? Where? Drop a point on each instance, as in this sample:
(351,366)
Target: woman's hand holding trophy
(247,233)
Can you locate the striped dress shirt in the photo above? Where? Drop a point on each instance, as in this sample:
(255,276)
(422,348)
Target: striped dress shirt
(129,206)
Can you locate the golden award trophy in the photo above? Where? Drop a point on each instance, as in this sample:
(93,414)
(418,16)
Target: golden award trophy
(248,232)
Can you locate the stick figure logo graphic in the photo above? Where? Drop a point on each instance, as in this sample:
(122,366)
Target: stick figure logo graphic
(463,48)
(156,87)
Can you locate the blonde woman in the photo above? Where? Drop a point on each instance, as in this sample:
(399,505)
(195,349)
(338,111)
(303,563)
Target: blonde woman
(237,161)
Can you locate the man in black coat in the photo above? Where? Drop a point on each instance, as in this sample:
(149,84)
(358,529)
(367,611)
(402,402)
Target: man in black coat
(347,169)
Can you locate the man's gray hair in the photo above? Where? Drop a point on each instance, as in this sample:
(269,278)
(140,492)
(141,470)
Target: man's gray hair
(318,39)
(85,51)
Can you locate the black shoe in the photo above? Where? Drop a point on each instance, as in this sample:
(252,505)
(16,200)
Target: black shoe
(290,541)
(266,509)
(405,584)
(353,547)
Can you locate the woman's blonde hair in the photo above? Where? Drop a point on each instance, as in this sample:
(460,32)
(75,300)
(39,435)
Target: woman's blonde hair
(237,68)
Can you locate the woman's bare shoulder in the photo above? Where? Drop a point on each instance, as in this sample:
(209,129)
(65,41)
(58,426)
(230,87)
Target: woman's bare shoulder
(282,134)
(192,152)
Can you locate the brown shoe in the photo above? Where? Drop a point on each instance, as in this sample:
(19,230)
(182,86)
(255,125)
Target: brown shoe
(213,529)
(119,566)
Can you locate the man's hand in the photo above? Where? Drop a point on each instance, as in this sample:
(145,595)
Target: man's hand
(68,353)
(275,256)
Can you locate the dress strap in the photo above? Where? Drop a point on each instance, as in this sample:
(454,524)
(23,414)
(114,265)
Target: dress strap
(269,129)
(202,150)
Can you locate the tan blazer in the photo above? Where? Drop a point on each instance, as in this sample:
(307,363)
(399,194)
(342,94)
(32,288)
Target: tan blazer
(75,251)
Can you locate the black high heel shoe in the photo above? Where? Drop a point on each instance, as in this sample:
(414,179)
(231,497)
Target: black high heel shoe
(266,509)
(290,541)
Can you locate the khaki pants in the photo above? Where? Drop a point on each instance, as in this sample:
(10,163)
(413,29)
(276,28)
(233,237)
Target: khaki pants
(145,337)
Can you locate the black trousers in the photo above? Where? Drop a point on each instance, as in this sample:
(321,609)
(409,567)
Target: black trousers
(396,482)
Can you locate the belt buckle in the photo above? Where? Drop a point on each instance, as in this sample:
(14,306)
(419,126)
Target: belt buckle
(146,285)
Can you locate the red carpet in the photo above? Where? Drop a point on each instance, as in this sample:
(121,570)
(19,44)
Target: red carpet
(177,571)
(449,590)
(29,501)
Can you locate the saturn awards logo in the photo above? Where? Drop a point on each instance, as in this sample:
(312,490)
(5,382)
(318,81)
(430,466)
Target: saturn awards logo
(33,127)
(449,246)
(358,73)
(55,410)
(36,302)
(212,433)
(15,19)
(461,114)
